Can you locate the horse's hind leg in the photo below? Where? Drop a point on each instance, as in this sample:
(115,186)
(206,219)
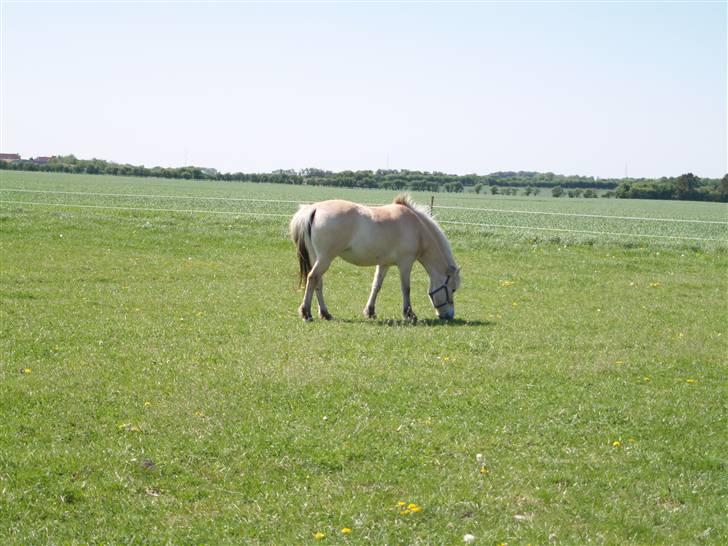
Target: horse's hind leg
(376,286)
(312,283)
(323,310)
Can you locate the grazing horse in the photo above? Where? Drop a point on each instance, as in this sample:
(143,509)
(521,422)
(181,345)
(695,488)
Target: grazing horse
(396,234)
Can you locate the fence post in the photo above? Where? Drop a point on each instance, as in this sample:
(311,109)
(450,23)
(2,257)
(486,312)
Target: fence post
(432,205)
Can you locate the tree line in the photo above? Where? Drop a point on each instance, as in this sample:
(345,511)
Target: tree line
(687,186)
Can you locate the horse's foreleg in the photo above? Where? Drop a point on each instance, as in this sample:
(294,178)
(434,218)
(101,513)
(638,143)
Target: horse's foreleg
(404,277)
(376,286)
(312,282)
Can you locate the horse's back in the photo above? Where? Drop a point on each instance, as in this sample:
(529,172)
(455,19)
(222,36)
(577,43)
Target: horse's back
(365,235)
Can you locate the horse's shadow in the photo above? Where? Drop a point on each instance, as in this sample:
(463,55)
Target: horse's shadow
(428,322)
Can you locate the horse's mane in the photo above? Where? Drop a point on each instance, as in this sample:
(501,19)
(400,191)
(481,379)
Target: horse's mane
(423,213)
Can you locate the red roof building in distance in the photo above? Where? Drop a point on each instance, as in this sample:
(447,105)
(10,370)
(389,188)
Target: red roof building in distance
(9,157)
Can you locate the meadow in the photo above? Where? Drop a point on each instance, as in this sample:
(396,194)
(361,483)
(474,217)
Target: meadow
(157,386)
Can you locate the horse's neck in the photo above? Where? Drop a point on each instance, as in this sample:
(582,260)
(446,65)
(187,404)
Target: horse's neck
(434,258)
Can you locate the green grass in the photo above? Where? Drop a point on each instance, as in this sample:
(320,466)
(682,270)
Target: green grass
(157,386)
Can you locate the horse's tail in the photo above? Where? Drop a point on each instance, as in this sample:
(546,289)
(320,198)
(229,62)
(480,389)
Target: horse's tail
(300,229)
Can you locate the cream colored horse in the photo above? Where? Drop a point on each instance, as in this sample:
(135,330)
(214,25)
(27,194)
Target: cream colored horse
(396,234)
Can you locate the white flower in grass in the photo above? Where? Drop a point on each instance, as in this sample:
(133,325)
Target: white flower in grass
(468,539)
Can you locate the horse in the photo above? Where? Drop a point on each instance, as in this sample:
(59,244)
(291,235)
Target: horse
(396,234)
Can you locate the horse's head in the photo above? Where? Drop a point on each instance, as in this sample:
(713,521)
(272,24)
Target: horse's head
(442,292)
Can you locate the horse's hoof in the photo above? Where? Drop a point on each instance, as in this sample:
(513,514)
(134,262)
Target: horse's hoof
(369,313)
(305,314)
(325,315)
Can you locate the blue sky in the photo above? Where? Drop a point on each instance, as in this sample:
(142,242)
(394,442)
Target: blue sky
(574,88)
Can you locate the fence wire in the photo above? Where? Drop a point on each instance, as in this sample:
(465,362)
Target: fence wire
(447,214)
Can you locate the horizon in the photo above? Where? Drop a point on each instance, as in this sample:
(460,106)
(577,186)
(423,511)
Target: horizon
(610,91)
(298,172)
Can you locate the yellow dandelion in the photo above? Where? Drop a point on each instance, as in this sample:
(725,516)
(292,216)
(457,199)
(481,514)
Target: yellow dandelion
(619,362)
(318,535)
(26,371)
(147,404)
(617,443)
(647,378)
(506,283)
(401,503)
(654,285)
(199,414)
(416,509)
(405,512)
(691,381)
(346,531)
(484,470)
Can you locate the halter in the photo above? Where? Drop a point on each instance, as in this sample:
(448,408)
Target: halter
(448,294)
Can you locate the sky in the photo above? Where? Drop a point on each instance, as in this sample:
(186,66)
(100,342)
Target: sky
(602,89)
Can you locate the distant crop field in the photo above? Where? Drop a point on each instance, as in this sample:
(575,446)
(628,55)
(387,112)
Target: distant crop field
(592,221)
(157,386)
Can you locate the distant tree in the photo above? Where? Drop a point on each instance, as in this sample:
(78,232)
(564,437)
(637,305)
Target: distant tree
(454,187)
(417,185)
(722,189)
(494,190)
(478,188)
(469,179)
(686,186)
(557,191)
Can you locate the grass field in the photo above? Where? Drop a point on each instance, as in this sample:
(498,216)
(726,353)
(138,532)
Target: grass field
(156,385)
